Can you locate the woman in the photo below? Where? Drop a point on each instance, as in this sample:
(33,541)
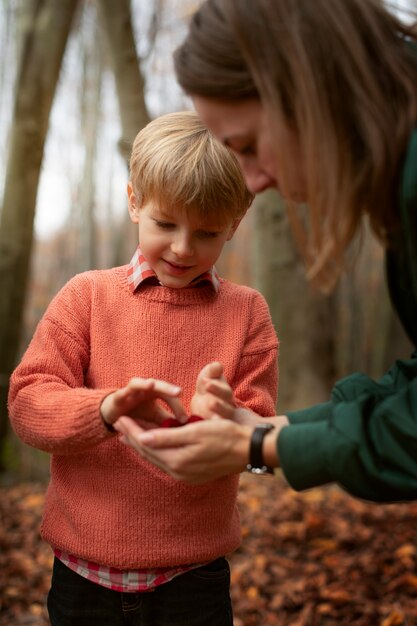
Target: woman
(319,100)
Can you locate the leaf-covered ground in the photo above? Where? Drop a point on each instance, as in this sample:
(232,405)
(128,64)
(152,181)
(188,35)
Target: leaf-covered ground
(319,558)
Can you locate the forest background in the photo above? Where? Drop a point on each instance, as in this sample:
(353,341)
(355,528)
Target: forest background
(78,79)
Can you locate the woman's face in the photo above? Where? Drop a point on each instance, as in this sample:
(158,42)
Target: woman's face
(244,127)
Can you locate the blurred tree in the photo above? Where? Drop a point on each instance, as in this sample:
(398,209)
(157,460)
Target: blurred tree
(323,338)
(47,27)
(370,336)
(304,320)
(92,79)
(117,23)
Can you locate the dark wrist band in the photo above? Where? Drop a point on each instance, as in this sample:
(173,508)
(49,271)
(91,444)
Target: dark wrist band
(256,463)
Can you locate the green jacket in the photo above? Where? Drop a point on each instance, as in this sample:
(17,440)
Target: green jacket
(365,437)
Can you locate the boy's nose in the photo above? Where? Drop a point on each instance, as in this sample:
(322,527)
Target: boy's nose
(182,246)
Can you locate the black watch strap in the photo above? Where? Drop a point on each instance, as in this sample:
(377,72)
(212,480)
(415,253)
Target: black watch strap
(256,463)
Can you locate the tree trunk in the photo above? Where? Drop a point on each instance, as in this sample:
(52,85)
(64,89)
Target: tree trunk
(42,53)
(304,320)
(370,335)
(117,22)
(92,71)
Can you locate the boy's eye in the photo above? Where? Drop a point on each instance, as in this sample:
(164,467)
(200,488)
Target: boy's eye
(164,225)
(207,234)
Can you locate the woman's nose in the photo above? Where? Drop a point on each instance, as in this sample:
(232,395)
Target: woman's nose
(256,178)
(258,181)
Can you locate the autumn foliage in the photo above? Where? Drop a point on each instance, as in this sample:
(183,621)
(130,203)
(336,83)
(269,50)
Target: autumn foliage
(319,558)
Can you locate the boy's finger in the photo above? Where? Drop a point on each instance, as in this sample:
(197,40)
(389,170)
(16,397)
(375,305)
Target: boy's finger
(225,410)
(127,426)
(220,389)
(209,371)
(212,370)
(154,386)
(162,387)
(177,408)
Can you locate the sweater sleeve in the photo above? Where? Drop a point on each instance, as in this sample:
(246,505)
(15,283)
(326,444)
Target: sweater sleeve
(256,382)
(50,408)
(365,438)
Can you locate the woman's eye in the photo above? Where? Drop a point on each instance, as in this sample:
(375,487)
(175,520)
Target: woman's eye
(242,146)
(247,150)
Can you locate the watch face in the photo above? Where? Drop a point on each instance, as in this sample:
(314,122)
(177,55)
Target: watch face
(259,470)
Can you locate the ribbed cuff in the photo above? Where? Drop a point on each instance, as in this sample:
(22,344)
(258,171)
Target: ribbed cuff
(302,450)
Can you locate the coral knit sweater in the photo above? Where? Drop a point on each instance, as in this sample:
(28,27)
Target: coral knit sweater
(105,503)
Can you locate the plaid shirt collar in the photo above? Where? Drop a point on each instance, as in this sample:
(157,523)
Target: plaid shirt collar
(139,271)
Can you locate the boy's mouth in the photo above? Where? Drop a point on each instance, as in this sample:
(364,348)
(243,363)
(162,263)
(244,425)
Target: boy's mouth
(177,267)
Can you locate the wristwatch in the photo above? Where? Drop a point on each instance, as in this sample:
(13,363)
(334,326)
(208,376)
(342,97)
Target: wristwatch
(256,463)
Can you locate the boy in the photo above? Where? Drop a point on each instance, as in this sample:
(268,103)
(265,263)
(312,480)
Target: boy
(118,526)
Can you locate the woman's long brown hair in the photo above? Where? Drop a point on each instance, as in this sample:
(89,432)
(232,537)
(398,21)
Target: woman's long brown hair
(343,74)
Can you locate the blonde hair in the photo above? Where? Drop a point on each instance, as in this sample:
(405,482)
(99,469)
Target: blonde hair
(343,75)
(177,162)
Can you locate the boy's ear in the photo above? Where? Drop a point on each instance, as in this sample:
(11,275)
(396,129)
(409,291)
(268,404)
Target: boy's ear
(132,204)
(233,228)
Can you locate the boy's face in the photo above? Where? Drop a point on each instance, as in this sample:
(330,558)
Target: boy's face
(177,247)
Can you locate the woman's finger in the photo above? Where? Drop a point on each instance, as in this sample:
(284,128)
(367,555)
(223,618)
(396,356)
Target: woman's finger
(171,437)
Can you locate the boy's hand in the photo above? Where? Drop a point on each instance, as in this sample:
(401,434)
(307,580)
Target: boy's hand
(213,393)
(139,400)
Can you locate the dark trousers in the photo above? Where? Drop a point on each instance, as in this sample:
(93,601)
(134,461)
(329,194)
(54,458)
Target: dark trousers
(199,597)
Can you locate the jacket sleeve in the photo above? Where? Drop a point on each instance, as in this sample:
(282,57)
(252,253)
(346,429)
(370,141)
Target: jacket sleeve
(255,385)
(49,406)
(364,438)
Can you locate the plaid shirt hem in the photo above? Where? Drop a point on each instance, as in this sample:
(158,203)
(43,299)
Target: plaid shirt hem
(133,581)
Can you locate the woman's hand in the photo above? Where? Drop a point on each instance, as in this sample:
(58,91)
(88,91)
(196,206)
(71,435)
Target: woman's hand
(213,395)
(139,401)
(195,453)
(200,452)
